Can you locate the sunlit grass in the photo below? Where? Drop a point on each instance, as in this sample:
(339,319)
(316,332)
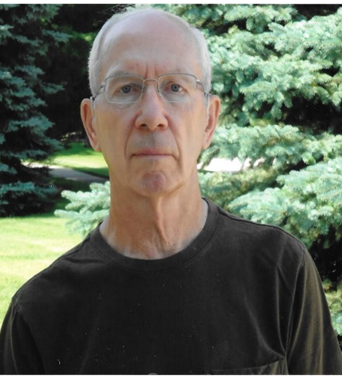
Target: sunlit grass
(79,157)
(30,244)
(27,246)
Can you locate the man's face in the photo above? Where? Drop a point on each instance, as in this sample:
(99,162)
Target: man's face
(151,146)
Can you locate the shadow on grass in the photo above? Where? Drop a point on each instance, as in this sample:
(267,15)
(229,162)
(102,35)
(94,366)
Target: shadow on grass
(78,148)
(101,172)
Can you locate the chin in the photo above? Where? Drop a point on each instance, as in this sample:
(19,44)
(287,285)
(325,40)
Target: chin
(156,184)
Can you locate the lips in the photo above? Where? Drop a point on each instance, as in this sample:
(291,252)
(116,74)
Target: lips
(150,153)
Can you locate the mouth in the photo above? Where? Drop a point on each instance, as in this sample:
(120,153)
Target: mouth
(151,153)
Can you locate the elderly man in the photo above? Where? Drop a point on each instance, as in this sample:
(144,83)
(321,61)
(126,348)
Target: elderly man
(168,282)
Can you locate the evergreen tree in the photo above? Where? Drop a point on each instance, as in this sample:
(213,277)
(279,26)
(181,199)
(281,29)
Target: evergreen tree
(26,38)
(279,75)
(68,64)
(281,84)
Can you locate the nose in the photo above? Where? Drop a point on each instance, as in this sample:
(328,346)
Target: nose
(151,113)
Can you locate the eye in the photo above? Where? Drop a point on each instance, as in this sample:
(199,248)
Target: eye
(176,88)
(123,85)
(126,89)
(123,89)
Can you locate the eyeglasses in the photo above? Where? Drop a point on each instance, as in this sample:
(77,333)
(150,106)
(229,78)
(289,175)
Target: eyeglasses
(172,87)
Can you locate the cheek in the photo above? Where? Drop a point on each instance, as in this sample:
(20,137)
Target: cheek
(111,127)
(110,142)
(197,132)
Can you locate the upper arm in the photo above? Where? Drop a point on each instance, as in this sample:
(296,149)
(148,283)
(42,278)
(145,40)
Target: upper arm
(18,350)
(313,346)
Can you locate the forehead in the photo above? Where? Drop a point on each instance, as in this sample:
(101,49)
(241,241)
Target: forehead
(149,42)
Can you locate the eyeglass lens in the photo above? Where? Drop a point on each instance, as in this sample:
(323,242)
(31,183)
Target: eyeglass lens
(128,89)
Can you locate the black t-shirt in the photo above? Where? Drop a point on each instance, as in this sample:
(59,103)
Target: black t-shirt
(242,298)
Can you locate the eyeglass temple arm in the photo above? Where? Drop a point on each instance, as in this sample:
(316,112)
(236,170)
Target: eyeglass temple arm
(93,97)
(206,94)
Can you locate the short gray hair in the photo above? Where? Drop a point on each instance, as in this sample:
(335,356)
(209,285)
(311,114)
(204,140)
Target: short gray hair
(95,57)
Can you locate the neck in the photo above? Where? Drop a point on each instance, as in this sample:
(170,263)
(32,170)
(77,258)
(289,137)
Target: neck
(154,228)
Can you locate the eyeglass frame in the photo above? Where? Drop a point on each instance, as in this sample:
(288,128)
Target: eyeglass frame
(103,84)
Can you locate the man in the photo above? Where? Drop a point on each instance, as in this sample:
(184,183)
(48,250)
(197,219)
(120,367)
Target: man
(168,282)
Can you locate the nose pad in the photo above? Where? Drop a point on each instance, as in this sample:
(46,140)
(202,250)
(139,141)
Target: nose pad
(153,80)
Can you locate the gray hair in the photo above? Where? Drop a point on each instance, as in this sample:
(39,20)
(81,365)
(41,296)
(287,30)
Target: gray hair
(95,57)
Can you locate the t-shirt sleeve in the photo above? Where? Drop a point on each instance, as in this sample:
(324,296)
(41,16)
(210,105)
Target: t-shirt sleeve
(313,346)
(18,351)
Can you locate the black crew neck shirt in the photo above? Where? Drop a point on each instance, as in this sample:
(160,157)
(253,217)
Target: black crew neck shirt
(242,298)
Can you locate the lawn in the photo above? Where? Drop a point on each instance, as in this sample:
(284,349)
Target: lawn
(30,244)
(79,157)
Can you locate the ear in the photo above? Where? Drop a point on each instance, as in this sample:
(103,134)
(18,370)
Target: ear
(213,114)
(88,119)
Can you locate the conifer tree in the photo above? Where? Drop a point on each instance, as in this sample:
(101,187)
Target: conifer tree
(26,37)
(68,63)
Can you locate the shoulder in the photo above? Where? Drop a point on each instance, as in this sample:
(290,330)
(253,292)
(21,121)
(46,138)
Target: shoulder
(53,283)
(249,240)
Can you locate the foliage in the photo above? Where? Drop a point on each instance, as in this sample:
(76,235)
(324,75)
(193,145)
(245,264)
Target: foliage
(86,209)
(27,37)
(67,65)
(278,73)
(334,298)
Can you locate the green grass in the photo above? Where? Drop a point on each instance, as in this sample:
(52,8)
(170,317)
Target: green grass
(81,158)
(28,245)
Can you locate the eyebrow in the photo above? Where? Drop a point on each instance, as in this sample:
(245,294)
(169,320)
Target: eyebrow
(116,73)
